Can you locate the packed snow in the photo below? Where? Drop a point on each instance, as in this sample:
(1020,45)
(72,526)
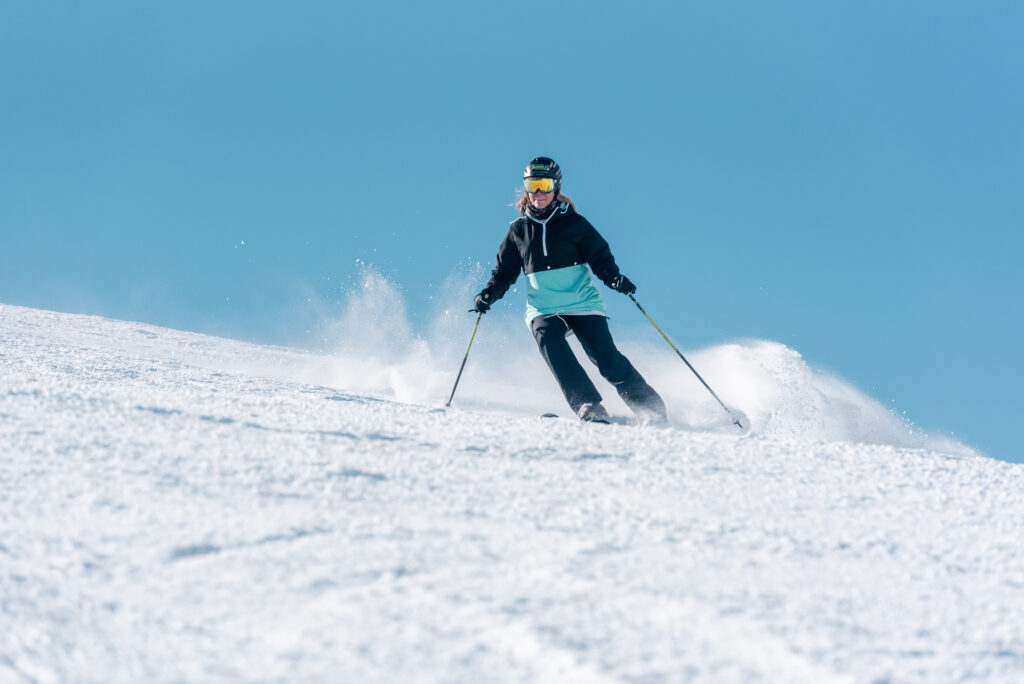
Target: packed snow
(178,507)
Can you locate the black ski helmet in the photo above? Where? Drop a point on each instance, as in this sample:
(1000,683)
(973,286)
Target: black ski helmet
(544,167)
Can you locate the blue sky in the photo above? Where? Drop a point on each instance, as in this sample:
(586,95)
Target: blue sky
(844,178)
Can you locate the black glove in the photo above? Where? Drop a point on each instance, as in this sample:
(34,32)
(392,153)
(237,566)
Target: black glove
(482,302)
(621,283)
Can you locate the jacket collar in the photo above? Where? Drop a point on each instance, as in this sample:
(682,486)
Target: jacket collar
(557,208)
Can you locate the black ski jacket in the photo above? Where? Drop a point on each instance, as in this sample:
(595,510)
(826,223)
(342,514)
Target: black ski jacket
(554,253)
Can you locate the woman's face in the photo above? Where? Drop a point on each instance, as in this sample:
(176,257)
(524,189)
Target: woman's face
(541,200)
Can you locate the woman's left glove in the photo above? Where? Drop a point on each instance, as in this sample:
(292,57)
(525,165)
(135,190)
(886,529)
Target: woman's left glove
(621,283)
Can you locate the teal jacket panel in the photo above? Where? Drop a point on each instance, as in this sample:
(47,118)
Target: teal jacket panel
(561,291)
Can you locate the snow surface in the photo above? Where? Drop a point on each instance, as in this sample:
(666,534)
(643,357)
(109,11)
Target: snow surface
(177,507)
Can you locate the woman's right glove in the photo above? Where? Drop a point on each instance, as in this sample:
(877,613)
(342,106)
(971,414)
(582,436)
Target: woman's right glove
(482,302)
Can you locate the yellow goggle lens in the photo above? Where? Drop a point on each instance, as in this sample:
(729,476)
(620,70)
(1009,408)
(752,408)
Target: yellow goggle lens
(539,184)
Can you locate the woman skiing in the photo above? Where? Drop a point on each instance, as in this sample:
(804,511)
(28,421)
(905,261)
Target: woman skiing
(553,245)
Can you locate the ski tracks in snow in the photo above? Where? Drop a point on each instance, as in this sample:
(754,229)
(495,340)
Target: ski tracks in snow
(177,507)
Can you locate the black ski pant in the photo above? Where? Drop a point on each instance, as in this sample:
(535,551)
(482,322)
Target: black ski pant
(592,332)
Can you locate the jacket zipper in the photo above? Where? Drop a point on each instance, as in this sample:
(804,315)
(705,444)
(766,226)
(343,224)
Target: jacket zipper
(544,229)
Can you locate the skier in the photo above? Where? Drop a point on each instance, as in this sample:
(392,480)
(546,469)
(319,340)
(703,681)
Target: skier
(553,245)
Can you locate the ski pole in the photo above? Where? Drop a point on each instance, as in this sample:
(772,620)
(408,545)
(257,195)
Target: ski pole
(735,420)
(464,358)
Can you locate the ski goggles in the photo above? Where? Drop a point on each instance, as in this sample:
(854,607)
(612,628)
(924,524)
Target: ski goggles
(539,184)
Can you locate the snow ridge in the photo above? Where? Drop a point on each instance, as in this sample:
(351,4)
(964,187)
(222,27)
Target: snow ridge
(180,507)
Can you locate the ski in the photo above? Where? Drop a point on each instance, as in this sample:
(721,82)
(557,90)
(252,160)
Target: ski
(596,420)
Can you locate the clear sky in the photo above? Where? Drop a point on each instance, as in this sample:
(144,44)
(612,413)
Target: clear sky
(846,178)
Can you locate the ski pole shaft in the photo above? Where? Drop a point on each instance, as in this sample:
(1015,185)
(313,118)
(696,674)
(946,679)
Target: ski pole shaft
(735,420)
(464,358)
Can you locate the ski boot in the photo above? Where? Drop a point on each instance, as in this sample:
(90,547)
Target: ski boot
(593,413)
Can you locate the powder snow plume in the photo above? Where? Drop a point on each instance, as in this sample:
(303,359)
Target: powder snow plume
(374,348)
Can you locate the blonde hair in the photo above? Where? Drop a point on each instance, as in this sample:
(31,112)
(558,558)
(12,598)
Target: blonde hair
(524,201)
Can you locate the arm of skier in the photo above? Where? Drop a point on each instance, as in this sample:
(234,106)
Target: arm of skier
(599,255)
(508,265)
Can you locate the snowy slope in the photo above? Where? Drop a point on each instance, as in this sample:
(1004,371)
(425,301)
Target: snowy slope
(175,507)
